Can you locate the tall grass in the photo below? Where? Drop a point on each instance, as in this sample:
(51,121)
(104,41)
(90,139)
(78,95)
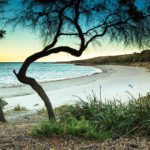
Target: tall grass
(19,108)
(98,119)
(115,116)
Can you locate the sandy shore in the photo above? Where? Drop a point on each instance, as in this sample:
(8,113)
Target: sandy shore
(116,82)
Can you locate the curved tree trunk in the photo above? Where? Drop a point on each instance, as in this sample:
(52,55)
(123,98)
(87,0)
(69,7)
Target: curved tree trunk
(45,98)
(40,91)
(2,117)
(21,75)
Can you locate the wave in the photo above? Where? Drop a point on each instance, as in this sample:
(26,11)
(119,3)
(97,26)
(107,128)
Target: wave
(46,73)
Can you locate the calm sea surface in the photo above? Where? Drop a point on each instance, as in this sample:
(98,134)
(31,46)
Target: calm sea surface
(43,72)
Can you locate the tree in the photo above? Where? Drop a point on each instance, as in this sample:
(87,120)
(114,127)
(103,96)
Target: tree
(83,20)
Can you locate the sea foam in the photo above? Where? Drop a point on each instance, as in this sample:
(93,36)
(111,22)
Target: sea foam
(43,72)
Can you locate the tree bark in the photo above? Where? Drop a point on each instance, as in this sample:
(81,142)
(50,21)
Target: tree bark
(40,91)
(2,117)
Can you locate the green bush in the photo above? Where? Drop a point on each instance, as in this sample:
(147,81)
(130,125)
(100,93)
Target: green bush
(97,119)
(47,129)
(113,116)
(78,128)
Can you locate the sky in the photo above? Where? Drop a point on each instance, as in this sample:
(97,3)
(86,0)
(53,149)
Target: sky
(18,45)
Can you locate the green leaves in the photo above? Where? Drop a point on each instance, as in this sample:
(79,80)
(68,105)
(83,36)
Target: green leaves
(78,128)
(113,116)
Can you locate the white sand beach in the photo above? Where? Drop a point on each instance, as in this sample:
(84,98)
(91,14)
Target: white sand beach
(116,81)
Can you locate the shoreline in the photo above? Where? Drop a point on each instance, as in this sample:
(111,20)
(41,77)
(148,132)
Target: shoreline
(115,81)
(52,72)
(28,90)
(43,82)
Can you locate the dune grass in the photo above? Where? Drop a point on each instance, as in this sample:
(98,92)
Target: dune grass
(19,108)
(97,119)
(42,112)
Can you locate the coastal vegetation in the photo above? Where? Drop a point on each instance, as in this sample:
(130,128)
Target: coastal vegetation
(135,59)
(90,123)
(97,119)
(42,111)
(19,108)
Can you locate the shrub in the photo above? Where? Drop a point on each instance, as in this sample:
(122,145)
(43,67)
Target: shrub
(97,119)
(114,116)
(47,129)
(79,128)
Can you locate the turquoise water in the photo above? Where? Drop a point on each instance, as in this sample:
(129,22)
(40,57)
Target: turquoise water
(43,72)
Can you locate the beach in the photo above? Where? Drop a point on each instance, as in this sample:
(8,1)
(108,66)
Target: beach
(114,82)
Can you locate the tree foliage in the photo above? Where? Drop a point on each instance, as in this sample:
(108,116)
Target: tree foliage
(2,33)
(118,20)
(2,4)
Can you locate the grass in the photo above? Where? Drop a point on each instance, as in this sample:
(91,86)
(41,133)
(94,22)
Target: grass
(97,119)
(78,128)
(19,108)
(42,112)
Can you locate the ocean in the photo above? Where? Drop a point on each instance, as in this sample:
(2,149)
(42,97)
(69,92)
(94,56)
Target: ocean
(43,72)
